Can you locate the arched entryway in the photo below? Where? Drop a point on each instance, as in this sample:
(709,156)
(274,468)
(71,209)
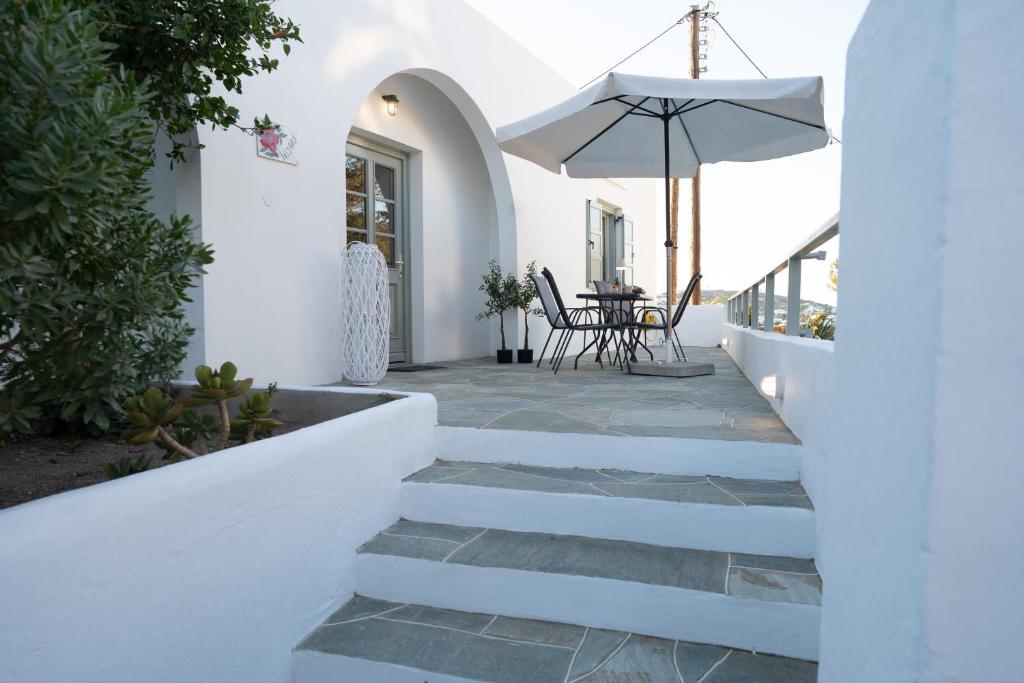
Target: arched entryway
(429,186)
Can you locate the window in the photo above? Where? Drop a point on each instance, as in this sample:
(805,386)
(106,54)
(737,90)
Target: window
(610,245)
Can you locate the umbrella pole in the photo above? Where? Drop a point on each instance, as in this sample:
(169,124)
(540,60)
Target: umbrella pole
(668,243)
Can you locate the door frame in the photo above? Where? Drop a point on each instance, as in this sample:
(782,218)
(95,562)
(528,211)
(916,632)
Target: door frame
(408,267)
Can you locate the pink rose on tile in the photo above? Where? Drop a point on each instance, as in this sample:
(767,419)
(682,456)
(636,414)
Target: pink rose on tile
(269,140)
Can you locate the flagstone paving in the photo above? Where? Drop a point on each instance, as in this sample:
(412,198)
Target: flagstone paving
(594,400)
(617,484)
(498,649)
(761,577)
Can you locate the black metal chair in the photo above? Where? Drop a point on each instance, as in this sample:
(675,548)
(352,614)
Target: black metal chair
(555,317)
(572,324)
(613,312)
(639,325)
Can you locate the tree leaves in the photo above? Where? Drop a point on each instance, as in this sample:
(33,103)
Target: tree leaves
(91,282)
(184,49)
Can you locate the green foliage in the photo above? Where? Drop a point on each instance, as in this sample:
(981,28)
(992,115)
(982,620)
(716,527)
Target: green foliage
(187,49)
(91,283)
(254,418)
(217,385)
(501,290)
(822,325)
(15,415)
(193,430)
(524,293)
(126,466)
(147,414)
(157,418)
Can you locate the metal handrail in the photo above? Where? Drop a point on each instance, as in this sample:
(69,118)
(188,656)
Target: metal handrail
(744,306)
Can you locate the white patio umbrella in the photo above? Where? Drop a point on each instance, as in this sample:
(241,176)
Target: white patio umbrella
(629,126)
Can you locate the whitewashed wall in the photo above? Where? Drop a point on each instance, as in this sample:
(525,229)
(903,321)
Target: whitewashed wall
(803,368)
(271,299)
(924,511)
(702,325)
(207,570)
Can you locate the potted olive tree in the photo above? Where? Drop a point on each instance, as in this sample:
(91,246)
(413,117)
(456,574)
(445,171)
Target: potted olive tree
(500,289)
(525,294)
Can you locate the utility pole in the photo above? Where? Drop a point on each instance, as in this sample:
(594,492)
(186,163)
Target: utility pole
(673,276)
(695,15)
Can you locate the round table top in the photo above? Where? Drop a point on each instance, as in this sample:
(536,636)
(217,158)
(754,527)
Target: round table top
(614,296)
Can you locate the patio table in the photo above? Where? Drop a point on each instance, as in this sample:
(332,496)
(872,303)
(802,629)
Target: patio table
(624,328)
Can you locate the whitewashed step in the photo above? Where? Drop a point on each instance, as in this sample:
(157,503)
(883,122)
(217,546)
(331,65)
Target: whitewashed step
(760,603)
(705,513)
(386,642)
(660,455)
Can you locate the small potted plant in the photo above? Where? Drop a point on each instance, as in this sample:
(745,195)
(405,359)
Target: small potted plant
(525,294)
(500,289)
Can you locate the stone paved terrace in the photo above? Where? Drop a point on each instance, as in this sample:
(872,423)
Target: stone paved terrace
(617,484)
(495,648)
(479,393)
(758,577)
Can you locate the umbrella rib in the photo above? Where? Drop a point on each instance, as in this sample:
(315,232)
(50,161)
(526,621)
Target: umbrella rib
(768,113)
(681,107)
(702,104)
(686,132)
(649,112)
(604,130)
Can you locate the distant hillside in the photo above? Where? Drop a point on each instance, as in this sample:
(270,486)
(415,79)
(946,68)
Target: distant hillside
(807,307)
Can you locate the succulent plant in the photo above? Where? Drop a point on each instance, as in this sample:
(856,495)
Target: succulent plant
(254,417)
(217,386)
(126,466)
(194,430)
(148,416)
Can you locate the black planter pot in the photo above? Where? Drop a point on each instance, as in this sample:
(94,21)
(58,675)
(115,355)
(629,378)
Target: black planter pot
(505,356)
(525,355)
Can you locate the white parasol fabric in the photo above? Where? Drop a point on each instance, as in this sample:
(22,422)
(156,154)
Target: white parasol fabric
(618,127)
(629,126)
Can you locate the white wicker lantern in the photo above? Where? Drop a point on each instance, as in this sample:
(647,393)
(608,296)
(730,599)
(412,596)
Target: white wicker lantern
(365,314)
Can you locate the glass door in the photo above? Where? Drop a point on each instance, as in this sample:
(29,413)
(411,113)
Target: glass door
(375,214)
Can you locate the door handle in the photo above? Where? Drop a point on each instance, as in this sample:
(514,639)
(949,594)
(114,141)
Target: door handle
(400,265)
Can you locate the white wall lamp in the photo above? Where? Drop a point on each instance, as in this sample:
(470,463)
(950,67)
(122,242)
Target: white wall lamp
(771,386)
(392,102)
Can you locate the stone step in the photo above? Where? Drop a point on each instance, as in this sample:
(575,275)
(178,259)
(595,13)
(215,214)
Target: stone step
(388,642)
(754,602)
(706,513)
(661,455)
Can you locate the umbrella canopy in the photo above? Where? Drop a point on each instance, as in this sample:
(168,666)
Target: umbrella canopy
(617,127)
(630,126)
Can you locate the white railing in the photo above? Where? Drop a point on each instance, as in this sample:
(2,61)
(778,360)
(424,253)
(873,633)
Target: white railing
(744,307)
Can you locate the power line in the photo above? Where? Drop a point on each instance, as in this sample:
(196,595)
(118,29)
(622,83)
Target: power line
(635,52)
(714,18)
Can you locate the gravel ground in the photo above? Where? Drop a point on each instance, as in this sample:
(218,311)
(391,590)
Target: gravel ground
(42,466)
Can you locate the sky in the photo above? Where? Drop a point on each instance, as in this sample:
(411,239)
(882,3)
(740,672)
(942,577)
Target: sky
(753,214)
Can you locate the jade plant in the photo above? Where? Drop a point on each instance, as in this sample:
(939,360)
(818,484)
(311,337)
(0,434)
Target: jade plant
(155,417)
(254,417)
(217,386)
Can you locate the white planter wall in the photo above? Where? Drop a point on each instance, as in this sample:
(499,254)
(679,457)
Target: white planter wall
(804,369)
(207,570)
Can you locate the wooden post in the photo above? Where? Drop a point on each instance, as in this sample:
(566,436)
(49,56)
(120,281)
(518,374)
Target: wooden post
(695,183)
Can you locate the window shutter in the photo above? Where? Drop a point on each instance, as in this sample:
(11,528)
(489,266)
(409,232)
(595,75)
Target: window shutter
(595,244)
(628,251)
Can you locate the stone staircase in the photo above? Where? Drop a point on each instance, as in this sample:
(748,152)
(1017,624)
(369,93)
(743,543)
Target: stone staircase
(500,571)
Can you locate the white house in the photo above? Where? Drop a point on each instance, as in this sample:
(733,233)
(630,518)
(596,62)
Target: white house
(451,199)
(878,541)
